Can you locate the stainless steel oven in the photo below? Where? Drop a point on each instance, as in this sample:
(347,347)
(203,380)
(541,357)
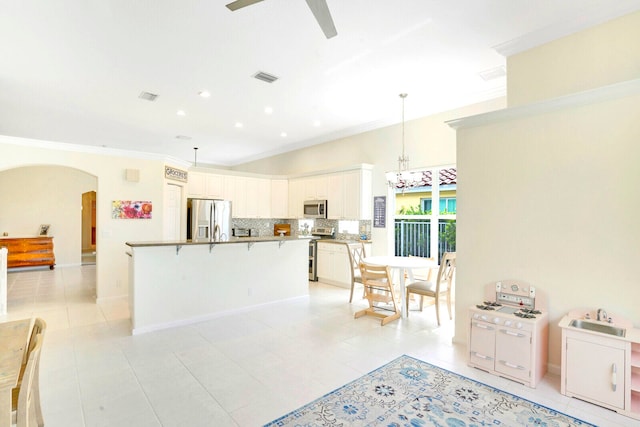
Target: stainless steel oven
(317,233)
(313,268)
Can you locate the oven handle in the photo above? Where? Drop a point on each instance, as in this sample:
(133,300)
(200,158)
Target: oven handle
(511,365)
(483,326)
(513,334)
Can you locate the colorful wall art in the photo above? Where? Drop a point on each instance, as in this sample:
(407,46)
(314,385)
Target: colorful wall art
(127,209)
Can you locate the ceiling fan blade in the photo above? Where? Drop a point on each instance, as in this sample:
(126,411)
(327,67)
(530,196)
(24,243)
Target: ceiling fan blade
(239,4)
(323,16)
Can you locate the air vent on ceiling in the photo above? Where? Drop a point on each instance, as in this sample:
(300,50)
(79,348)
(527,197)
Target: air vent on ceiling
(148,96)
(493,73)
(265,77)
(183,137)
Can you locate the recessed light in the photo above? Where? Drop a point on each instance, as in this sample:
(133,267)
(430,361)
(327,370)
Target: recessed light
(204,94)
(268,110)
(316,123)
(238,125)
(181,113)
(283,134)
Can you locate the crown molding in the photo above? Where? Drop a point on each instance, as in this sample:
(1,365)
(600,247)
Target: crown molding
(604,93)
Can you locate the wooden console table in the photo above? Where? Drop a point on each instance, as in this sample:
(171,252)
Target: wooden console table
(29,251)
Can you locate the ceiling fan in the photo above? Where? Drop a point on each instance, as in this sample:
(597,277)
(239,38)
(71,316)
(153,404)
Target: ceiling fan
(318,7)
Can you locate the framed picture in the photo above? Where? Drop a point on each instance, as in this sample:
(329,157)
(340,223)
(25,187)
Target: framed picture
(44,229)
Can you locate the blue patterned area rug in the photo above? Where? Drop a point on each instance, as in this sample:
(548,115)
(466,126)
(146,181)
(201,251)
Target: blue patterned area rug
(410,392)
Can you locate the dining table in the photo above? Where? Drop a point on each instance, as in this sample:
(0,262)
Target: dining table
(13,344)
(405,266)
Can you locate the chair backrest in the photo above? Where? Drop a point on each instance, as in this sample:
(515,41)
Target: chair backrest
(356,255)
(25,397)
(446,271)
(39,327)
(375,274)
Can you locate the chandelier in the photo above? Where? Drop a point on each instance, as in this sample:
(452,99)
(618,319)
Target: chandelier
(403,178)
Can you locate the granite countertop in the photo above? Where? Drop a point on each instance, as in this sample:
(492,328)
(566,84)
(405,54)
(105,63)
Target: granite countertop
(231,240)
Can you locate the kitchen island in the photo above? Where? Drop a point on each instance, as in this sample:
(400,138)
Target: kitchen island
(182,282)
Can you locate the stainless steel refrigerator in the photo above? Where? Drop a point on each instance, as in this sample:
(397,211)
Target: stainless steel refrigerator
(208,220)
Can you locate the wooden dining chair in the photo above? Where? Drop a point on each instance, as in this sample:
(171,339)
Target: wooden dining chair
(39,328)
(378,290)
(440,288)
(356,255)
(26,412)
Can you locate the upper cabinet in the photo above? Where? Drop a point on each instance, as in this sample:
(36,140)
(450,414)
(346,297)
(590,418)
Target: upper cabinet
(315,188)
(350,195)
(205,186)
(296,198)
(279,198)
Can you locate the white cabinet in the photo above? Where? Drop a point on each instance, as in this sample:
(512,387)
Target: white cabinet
(205,186)
(279,198)
(196,185)
(349,195)
(333,264)
(315,188)
(235,190)
(296,198)
(250,197)
(594,368)
(214,186)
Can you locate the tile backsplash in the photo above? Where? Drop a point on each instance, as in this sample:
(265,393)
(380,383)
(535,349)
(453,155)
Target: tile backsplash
(265,226)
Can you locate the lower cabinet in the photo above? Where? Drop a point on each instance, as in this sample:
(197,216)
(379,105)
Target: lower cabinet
(333,264)
(29,251)
(595,370)
(602,369)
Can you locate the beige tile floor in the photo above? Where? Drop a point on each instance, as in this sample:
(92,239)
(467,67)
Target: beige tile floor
(240,370)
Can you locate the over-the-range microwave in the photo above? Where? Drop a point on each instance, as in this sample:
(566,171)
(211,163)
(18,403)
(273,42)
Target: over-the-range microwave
(315,209)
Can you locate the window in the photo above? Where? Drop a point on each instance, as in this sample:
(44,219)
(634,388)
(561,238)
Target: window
(305,226)
(425,205)
(448,205)
(348,227)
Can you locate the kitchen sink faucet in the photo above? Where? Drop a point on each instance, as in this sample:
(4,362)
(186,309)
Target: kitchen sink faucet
(601,315)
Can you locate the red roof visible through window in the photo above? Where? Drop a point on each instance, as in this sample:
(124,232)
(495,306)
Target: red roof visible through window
(447,177)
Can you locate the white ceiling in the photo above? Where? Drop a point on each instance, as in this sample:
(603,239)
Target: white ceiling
(71,70)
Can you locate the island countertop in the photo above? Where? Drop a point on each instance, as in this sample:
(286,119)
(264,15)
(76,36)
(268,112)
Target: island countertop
(231,240)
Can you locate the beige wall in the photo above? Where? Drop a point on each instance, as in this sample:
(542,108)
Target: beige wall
(552,199)
(603,55)
(108,170)
(54,197)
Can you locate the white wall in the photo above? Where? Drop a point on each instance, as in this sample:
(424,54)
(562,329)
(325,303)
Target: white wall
(54,197)
(108,168)
(551,198)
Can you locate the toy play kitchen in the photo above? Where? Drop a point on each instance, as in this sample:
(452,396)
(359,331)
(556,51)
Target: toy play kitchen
(601,360)
(508,332)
